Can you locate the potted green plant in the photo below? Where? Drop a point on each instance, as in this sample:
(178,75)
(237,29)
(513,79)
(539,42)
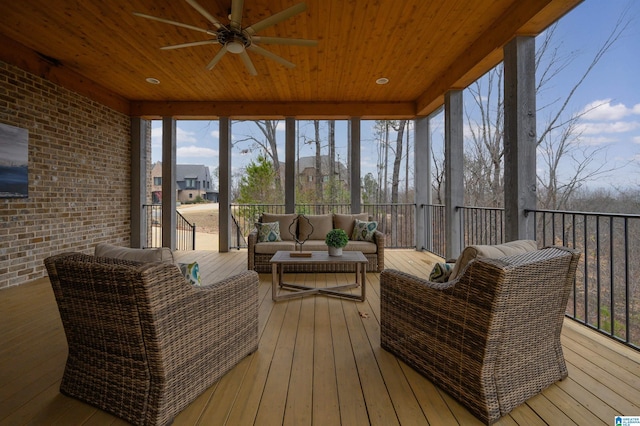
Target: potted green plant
(336,239)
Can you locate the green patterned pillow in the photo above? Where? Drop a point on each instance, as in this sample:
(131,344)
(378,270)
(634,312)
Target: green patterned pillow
(191,272)
(363,231)
(441,272)
(268,232)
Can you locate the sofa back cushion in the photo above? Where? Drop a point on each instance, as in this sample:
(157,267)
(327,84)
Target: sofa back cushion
(160,254)
(316,227)
(285,221)
(346,221)
(493,252)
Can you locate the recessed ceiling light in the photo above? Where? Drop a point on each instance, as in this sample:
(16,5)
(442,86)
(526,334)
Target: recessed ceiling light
(152,80)
(382,80)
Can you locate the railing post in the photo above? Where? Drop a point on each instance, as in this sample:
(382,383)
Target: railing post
(454,160)
(422,166)
(519,136)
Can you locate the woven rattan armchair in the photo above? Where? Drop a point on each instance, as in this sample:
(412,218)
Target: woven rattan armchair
(491,337)
(144,343)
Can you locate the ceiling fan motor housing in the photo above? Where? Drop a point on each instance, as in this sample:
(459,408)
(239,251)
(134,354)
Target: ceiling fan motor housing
(235,41)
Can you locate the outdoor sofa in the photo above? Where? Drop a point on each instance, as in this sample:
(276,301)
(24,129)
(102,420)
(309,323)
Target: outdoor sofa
(311,231)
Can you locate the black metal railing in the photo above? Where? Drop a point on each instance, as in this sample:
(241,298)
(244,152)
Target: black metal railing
(482,225)
(396,221)
(433,220)
(606,293)
(185,231)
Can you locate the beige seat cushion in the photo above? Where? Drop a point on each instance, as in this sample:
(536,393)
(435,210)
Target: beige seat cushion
(314,245)
(273,247)
(346,221)
(365,247)
(285,220)
(321,223)
(493,252)
(160,254)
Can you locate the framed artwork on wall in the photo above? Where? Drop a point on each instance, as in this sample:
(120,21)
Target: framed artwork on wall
(14,161)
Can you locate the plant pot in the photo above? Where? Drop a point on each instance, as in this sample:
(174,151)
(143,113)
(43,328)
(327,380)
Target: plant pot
(335,251)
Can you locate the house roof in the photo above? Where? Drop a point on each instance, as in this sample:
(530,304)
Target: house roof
(192,171)
(424,48)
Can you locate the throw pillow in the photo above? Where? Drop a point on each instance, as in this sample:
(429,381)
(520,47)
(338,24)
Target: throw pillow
(288,224)
(346,221)
(440,272)
(191,272)
(363,231)
(268,232)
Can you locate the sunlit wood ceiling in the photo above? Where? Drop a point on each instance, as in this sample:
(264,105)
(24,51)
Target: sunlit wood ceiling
(424,48)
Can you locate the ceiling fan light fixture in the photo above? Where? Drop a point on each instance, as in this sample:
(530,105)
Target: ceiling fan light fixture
(152,80)
(235,46)
(382,80)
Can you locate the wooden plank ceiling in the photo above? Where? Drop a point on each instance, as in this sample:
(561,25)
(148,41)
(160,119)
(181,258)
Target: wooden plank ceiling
(423,47)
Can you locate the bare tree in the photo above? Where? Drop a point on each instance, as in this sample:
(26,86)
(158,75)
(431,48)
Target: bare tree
(318,176)
(568,163)
(559,140)
(269,146)
(484,161)
(437,179)
(398,126)
(332,161)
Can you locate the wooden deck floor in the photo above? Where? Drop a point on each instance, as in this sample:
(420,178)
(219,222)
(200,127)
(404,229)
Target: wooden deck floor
(319,362)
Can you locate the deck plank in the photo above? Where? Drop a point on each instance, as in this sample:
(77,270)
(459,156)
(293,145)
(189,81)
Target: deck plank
(319,362)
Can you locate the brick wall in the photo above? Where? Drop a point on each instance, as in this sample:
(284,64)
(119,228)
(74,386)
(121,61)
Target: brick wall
(79,175)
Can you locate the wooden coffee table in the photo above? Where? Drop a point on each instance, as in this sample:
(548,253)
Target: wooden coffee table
(282,258)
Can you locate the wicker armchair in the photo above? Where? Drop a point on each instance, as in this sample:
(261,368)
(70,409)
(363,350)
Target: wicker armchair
(143,343)
(491,337)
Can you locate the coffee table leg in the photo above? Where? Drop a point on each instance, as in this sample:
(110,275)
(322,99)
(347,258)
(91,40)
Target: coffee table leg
(274,279)
(363,271)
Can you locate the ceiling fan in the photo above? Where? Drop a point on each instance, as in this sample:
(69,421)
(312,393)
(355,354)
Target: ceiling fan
(236,39)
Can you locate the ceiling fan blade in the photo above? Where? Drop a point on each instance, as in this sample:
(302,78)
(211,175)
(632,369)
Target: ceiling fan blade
(278,17)
(236,14)
(217,58)
(247,63)
(194,4)
(193,43)
(270,55)
(178,24)
(286,41)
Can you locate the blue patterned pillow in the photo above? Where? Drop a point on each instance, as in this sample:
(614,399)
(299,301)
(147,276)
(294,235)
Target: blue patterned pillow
(363,231)
(268,232)
(191,272)
(441,272)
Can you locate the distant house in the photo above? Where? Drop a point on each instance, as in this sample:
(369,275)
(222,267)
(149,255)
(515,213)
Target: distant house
(192,181)
(306,172)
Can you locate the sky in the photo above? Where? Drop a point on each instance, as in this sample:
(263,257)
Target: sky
(609,97)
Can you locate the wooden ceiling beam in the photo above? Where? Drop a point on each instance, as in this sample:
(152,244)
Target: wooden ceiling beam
(267,110)
(50,69)
(486,52)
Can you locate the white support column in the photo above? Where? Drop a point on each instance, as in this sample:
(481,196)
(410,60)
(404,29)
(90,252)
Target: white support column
(422,183)
(519,137)
(289,165)
(169,182)
(224,172)
(139,175)
(354,163)
(454,165)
